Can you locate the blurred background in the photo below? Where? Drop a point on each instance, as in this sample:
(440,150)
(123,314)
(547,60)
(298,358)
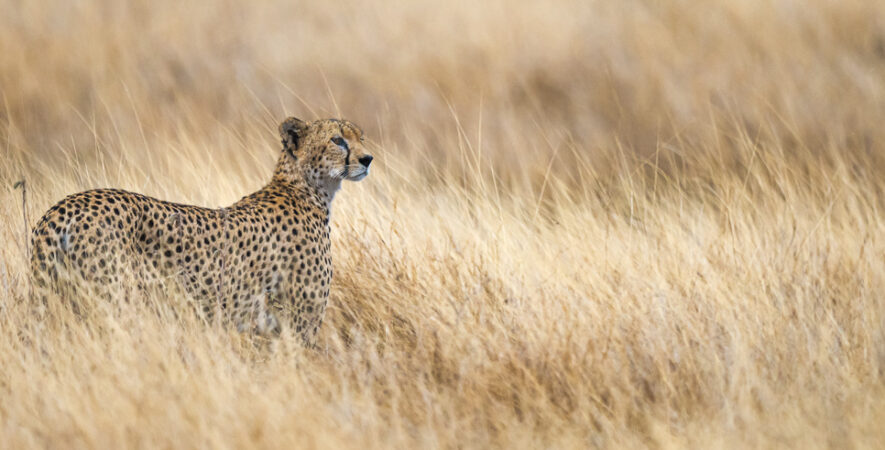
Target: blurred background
(553,82)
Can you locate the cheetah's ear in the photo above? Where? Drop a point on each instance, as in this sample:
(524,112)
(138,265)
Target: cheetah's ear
(292,131)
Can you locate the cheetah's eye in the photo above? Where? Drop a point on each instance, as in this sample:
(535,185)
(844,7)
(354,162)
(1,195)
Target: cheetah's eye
(339,141)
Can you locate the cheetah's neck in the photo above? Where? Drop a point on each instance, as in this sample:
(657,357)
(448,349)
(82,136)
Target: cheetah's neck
(301,192)
(327,190)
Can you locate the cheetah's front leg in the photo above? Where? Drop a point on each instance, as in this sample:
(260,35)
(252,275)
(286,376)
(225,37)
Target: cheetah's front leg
(301,312)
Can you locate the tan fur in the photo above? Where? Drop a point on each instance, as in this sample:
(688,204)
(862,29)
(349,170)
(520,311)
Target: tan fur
(265,261)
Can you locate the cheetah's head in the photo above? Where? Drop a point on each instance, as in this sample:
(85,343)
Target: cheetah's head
(323,152)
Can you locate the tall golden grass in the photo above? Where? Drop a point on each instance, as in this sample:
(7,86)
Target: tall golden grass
(589,223)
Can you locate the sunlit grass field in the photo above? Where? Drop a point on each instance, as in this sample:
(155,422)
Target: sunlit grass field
(589,224)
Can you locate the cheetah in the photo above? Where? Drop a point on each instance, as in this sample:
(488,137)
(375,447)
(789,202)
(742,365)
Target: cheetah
(265,261)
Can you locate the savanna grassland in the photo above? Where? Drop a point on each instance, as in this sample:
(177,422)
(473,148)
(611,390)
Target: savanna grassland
(588,223)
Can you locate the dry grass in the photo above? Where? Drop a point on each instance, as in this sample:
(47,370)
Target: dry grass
(590,223)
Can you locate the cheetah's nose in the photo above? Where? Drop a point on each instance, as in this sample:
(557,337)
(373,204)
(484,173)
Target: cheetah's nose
(366,160)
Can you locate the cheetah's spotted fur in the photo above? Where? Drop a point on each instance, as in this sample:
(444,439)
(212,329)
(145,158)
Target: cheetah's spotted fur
(265,261)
